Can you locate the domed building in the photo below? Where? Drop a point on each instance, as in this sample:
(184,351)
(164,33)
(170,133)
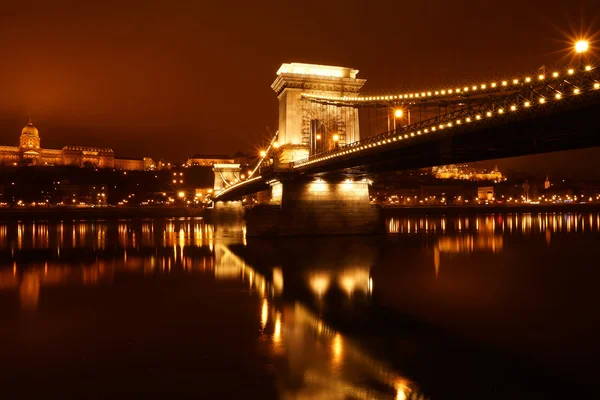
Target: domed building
(30,152)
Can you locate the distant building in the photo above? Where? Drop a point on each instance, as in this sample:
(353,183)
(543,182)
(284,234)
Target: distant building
(485,193)
(465,172)
(69,194)
(209,160)
(30,152)
(547,183)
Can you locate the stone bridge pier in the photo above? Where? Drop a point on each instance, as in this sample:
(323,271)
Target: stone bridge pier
(303,207)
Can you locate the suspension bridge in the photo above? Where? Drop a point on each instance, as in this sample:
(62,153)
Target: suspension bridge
(318,164)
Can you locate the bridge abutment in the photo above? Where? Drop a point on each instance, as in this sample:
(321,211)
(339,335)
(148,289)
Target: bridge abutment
(315,207)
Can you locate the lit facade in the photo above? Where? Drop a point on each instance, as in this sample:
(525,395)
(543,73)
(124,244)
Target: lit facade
(453,171)
(30,152)
(209,160)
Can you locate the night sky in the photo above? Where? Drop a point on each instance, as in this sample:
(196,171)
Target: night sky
(169,79)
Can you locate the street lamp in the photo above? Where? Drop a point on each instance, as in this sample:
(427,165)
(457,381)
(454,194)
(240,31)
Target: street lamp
(581,47)
(263,153)
(181,195)
(398,113)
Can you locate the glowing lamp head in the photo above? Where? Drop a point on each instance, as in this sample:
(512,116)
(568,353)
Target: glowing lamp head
(318,136)
(398,113)
(582,46)
(181,195)
(336,137)
(263,153)
(276,145)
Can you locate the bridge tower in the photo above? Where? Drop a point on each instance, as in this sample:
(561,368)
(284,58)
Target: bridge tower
(307,127)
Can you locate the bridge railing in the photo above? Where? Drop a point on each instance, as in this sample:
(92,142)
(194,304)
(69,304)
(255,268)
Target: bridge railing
(535,96)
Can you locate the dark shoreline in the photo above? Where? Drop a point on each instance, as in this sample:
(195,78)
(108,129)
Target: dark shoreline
(182,212)
(94,213)
(489,209)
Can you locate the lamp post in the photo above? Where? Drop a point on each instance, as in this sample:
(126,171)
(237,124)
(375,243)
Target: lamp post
(581,47)
(397,114)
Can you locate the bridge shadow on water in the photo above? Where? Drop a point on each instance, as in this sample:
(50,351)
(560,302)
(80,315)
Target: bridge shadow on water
(364,288)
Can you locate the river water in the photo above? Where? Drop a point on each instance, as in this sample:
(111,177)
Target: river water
(490,306)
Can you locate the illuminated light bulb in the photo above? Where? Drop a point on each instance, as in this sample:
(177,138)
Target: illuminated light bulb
(263,153)
(449,124)
(489,114)
(426,130)
(394,139)
(515,81)
(436,93)
(416,94)
(576,91)
(398,113)
(457,90)
(418,132)
(582,46)
(466,89)
(500,111)
(428,93)
(411,95)
(541,77)
(433,129)
(441,126)
(542,100)
(468,119)
(443,92)
(513,108)
(449,91)
(558,95)
(474,88)
(483,86)
(336,137)
(504,83)
(406,136)
(570,71)
(458,122)
(555,74)
(588,67)
(318,136)
(478,116)
(596,85)
(276,145)
(412,134)
(528,79)
(494,84)
(526,104)
(422,94)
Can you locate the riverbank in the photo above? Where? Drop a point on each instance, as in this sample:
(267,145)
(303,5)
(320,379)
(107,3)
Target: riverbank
(490,209)
(99,212)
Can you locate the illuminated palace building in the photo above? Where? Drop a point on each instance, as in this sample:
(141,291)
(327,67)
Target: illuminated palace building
(30,152)
(467,173)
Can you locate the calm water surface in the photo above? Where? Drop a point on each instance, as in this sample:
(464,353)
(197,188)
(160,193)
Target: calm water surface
(480,306)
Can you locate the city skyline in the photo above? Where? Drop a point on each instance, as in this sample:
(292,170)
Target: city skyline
(157,79)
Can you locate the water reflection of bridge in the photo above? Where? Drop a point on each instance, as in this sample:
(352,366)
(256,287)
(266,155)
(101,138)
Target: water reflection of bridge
(36,256)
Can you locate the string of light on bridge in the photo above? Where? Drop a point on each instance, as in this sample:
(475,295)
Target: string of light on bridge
(474,118)
(490,87)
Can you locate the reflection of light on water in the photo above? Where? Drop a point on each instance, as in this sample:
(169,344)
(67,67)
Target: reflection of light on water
(277,331)
(319,282)
(354,279)
(278,280)
(337,348)
(264,315)
(29,291)
(400,392)
(517,223)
